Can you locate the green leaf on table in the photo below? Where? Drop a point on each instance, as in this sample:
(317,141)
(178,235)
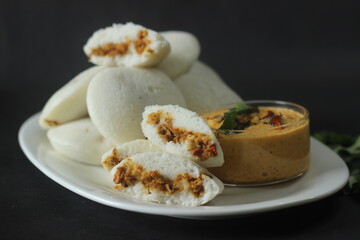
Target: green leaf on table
(348,148)
(328,137)
(354,180)
(354,149)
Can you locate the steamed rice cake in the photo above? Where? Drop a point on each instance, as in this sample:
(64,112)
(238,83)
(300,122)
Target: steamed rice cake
(117,97)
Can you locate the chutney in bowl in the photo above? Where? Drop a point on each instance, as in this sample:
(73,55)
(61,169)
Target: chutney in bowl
(264,142)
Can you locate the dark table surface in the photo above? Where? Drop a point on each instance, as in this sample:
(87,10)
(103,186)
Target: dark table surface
(301,51)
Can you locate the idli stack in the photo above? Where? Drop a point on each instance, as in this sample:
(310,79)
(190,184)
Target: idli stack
(145,85)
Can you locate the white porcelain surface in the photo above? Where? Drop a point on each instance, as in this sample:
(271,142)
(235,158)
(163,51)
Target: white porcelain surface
(327,174)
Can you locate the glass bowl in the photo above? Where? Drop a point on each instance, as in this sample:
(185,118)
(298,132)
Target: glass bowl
(265,153)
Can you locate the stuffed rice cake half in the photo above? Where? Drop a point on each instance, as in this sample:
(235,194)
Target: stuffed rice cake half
(182,132)
(116,155)
(166,179)
(126,45)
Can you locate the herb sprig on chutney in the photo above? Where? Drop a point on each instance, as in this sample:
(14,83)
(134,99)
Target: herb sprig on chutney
(232,120)
(242,116)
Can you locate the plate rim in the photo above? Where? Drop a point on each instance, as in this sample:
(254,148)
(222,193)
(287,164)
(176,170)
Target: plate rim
(173,211)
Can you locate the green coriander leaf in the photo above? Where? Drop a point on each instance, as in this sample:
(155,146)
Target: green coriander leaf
(353,185)
(230,122)
(328,137)
(348,148)
(355,147)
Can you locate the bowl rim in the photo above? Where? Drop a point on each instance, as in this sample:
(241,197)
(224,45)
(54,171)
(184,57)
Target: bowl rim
(275,103)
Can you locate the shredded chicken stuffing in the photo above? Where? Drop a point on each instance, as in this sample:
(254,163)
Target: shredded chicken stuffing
(142,43)
(128,174)
(112,49)
(51,123)
(199,144)
(123,48)
(131,173)
(114,159)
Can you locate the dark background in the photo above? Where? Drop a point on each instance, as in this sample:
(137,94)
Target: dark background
(307,52)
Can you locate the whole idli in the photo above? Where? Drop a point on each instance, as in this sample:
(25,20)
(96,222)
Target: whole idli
(117,97)
(185,50)
(69,102)
(204,90)
(80,141)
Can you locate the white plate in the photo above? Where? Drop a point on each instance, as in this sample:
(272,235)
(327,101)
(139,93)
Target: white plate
(327,174)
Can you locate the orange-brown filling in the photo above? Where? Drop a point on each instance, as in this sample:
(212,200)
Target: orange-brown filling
(142,43)
(199,144)
(114,49)
(111,49)
(131,173)
(51,123)
(113,159)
